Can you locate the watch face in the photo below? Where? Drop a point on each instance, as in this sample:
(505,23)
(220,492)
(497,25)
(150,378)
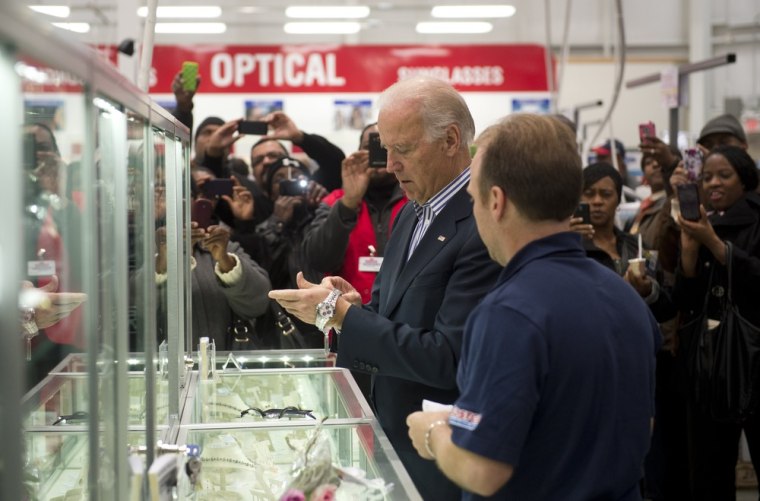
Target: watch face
(325,309)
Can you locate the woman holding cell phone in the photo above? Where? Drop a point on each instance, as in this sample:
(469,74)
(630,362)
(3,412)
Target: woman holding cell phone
(728,180)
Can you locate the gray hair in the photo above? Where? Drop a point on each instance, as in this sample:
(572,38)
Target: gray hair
(439,103)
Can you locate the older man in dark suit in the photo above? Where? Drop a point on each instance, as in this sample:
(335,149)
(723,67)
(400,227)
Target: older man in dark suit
(435,270)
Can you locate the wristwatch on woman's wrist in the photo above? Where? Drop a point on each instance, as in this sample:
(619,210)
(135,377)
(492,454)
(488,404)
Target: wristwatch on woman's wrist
(326,309)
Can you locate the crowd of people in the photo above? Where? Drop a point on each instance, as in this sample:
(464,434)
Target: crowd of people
(472,282)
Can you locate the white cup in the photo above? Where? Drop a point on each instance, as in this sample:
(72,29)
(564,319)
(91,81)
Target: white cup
(637,266)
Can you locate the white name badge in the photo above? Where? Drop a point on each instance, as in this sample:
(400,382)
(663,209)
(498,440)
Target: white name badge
(40,268)
(370,263)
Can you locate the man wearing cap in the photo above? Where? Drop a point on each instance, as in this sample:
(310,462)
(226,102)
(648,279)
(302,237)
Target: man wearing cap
(724,130)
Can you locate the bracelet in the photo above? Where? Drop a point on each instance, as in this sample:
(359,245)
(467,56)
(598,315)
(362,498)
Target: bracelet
(440,422)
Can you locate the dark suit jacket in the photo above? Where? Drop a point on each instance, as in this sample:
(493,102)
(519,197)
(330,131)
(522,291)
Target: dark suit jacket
(410,335)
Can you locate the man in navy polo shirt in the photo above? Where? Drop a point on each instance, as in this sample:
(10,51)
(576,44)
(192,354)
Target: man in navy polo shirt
(557,367)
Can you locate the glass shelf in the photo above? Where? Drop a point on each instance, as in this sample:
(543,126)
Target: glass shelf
(325,392)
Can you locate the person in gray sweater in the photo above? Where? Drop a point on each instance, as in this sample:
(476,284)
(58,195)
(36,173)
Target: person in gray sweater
(227,285)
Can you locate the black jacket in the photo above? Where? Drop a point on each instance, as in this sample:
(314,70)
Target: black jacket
(740,225)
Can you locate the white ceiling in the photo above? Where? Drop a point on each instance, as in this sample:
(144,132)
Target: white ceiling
(393,22)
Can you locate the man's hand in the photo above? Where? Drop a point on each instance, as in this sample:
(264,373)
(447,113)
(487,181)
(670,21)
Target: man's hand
(284,207)
(283,127)
(355,175)
(660,151)
(419,422)
(301,302)
(50,307)
(241,202)
(222,138)
(315,192)
(350,294)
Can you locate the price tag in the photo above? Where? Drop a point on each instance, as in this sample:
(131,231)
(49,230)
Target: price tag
(40,268)
(370,263)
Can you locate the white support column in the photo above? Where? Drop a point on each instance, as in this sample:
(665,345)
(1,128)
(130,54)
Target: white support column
(128,25)
(700,48)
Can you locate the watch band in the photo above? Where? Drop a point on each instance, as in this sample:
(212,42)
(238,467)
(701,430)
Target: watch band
(326,310)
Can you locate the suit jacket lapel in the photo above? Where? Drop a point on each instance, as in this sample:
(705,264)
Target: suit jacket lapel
(441,231)
(395,252)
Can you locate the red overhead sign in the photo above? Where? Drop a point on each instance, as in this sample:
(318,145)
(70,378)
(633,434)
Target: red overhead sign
(337,68)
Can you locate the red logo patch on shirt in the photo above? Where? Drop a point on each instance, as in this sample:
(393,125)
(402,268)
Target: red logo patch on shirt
(464,419)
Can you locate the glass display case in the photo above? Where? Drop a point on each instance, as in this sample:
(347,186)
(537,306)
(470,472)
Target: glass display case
(257,464)
(56,463)
(97,282)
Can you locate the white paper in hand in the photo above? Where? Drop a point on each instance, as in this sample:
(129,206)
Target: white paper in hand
(429,406)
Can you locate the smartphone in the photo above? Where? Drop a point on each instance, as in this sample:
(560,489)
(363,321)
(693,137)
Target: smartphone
(189,75)
(293,187)
(688,201)
(253,127)
(646,130)
(378,156)
(692,162)
(583,211)
(217,188)
(30,151)
(201,211)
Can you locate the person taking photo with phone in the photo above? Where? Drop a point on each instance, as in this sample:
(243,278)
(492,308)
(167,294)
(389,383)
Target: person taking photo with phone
(295,195)
(703,285)
(353,224)
(225,282)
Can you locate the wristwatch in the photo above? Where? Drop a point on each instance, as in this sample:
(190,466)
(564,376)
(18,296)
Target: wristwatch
(28,321)
(326,309)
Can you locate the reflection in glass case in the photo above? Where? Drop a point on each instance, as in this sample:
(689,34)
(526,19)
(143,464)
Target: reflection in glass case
(55,464)
(62,395)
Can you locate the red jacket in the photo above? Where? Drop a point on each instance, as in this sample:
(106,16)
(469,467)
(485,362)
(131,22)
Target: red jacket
(362,236)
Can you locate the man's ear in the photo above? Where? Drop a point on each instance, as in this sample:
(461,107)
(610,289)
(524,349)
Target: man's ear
(453,139)
(497,203)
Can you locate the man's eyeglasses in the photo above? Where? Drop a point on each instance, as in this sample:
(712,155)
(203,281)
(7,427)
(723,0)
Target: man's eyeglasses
(272,155)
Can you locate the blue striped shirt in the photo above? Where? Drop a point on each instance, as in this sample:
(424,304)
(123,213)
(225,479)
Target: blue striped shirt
(426,213)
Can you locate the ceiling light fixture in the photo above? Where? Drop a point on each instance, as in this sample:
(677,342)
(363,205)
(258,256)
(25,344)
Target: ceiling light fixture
(428,28)
(187,12)
(75,27)
(470,11)
(191,28)
(52,10)
(327,12)
(336,28)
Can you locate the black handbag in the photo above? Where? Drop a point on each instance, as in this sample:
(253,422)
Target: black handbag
(723,361)
(273,330)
